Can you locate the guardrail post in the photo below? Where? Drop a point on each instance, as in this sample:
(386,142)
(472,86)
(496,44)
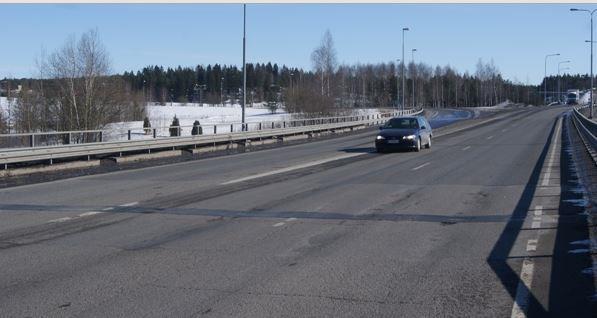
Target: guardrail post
(129,134)
(70,138)
(154,133)
(215,129)
(179,131)
(231,127)
(284,124)
(101,136)
(259,126)
(32,140)
(272,125)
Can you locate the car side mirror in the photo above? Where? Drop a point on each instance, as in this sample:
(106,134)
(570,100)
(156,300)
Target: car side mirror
(423,127)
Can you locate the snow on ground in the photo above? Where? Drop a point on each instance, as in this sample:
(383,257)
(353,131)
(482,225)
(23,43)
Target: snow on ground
(223,117)
(584,98)
(4,106)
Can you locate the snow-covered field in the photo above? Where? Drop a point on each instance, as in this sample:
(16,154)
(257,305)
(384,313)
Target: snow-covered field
(223,117)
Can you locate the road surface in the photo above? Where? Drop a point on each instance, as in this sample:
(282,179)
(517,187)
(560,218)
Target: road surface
(328,228)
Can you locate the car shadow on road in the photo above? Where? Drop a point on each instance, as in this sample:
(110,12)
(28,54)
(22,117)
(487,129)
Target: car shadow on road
(569,292)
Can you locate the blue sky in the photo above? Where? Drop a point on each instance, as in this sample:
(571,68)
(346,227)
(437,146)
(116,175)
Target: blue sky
(515,36)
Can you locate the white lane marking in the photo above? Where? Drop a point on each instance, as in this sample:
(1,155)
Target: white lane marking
(90,213)
(490,137)
(421,166)
(278,224)
(466,148)
(290,219)
(538,210)
(296,167)
(532,245)
(535,225)
(108,209)
(130,204)
(555,139)
(522,291)
(60,220)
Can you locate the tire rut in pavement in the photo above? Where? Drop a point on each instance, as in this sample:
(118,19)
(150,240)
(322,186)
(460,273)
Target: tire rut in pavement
(182,199)
(48,231)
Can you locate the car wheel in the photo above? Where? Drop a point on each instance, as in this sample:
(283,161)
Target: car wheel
(428,146)
(418,146)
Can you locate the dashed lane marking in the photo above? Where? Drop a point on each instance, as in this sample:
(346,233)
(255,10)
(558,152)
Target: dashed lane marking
(555,139)
(278,224)
(90,213)
(466,148)
(522,291)
(60,220)
(421,166)
(291,168)
(532,245)
(130,204)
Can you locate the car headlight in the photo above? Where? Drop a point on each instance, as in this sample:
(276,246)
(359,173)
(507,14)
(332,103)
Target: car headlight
(380,138)
(409,137)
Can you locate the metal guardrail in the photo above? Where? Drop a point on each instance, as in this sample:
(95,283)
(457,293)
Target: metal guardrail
(22,155)
(60,138)
(587,130)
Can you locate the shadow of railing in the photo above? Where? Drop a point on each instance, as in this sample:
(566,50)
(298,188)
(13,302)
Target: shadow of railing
(560,285)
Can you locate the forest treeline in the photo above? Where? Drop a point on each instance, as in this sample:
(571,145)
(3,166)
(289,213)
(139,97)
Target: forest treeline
(76,89)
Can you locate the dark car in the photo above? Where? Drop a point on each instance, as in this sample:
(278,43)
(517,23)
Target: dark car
(409,132)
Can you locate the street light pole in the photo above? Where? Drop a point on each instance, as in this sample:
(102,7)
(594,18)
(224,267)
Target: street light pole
(559,89)
(244,66)
(397,83)
(413,60)
(545,78)
(403,79)
(591,14)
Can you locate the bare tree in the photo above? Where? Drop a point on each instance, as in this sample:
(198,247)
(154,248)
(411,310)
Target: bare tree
(325,61)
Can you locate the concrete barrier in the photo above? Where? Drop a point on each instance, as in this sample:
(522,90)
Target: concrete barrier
(50,168)
(147,156)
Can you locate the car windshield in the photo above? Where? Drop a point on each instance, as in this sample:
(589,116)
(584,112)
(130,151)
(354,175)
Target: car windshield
(402,123)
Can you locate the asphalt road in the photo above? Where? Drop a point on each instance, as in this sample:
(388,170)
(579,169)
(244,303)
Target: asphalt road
(328,228)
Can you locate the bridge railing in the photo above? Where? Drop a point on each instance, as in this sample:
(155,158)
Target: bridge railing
(119,147)
(62,138)
(588,131)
